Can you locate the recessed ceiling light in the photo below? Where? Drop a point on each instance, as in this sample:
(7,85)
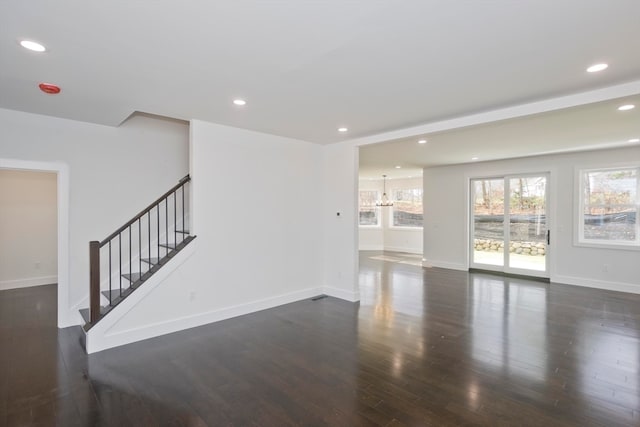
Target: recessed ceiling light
(342,129)
(240,102)
(597,67)
(474,158)
(398,167)
(634,140)
(31,45)
(626,107)
(422,141)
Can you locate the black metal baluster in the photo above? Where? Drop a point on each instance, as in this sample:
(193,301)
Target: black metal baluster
(166,222)
(175,221)
(130,260)
(120,256)
(140,246)
(158,224)
(109,272)
(149,236)
(184,226)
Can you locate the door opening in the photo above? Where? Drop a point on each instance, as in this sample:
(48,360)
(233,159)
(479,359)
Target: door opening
(509,224)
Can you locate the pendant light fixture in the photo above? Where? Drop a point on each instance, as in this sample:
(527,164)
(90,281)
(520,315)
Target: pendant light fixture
(385,200)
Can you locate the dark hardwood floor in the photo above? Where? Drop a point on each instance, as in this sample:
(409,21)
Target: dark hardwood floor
(424,347)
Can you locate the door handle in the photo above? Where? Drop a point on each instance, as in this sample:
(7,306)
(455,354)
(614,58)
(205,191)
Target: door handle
(548,237)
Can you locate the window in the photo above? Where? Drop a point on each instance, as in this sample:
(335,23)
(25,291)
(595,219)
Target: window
(407,207)
(609,206)
(368,211)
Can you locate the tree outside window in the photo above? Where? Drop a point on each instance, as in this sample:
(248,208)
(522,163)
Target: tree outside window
(407,207)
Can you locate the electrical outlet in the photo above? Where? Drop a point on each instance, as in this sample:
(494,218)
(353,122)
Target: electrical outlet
(37,265)
(605,268)
(192,295)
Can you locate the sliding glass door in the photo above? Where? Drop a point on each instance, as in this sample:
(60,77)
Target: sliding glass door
(509,224)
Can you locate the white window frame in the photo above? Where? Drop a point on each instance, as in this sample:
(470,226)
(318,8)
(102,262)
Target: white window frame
(579,239)
(377,209)
(394,199)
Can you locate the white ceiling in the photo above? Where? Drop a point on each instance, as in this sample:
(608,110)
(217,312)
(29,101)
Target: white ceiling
(587,127)
(307,67)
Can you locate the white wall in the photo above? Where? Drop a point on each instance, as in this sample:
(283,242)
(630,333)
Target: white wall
(28,228)
(446,228)
(340,194)
(386,237)
(113,174)
(256,211)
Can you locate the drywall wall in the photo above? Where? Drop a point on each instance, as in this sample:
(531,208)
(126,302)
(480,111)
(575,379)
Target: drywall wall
(386,236)
(113,174)
(28,228)
(256,212)
(446,228)
(340,195)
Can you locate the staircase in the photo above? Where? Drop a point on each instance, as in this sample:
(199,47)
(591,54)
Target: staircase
(126,259)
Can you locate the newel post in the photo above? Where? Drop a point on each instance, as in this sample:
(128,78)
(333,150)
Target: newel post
(94,280)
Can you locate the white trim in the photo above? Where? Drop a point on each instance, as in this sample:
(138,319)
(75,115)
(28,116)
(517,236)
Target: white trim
(371,248)
(341,294)
(403,249)
(26,283)
(598,284)
(551,104)
(65,316)
(428,263)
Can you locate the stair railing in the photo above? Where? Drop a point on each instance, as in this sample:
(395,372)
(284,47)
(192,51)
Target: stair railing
(142,235)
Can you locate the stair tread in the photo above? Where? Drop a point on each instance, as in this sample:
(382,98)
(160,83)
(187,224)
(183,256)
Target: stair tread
(183,231)
(168,245)
(151,261)
(86,313)
(117,295)
(133,277)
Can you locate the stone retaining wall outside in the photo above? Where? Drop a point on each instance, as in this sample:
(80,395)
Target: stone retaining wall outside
(524,248)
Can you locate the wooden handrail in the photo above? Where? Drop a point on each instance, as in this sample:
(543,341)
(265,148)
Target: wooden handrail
(145,210)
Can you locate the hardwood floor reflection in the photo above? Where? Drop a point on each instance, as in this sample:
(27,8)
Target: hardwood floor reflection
(424,347)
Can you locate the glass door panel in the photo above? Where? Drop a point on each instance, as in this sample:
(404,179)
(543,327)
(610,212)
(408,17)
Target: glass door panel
(488,222)
(527,223)
(509,224)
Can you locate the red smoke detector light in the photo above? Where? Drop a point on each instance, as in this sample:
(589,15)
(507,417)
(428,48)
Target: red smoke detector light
(49,88)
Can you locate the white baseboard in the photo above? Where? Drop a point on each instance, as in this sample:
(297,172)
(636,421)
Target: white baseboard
(599,284)
(443,264)
(26,283)
(174,325)
(409,250)
(371,248)
(351,296)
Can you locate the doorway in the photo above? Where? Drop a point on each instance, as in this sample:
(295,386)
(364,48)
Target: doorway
(67,316)
(509,224)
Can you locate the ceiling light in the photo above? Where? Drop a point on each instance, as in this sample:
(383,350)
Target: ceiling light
(597,67)
(34,46)
(422,141)
(634,140)
(385,200)
(342,129)
(474,158)
(240,102)
(626,107)
(398,167)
